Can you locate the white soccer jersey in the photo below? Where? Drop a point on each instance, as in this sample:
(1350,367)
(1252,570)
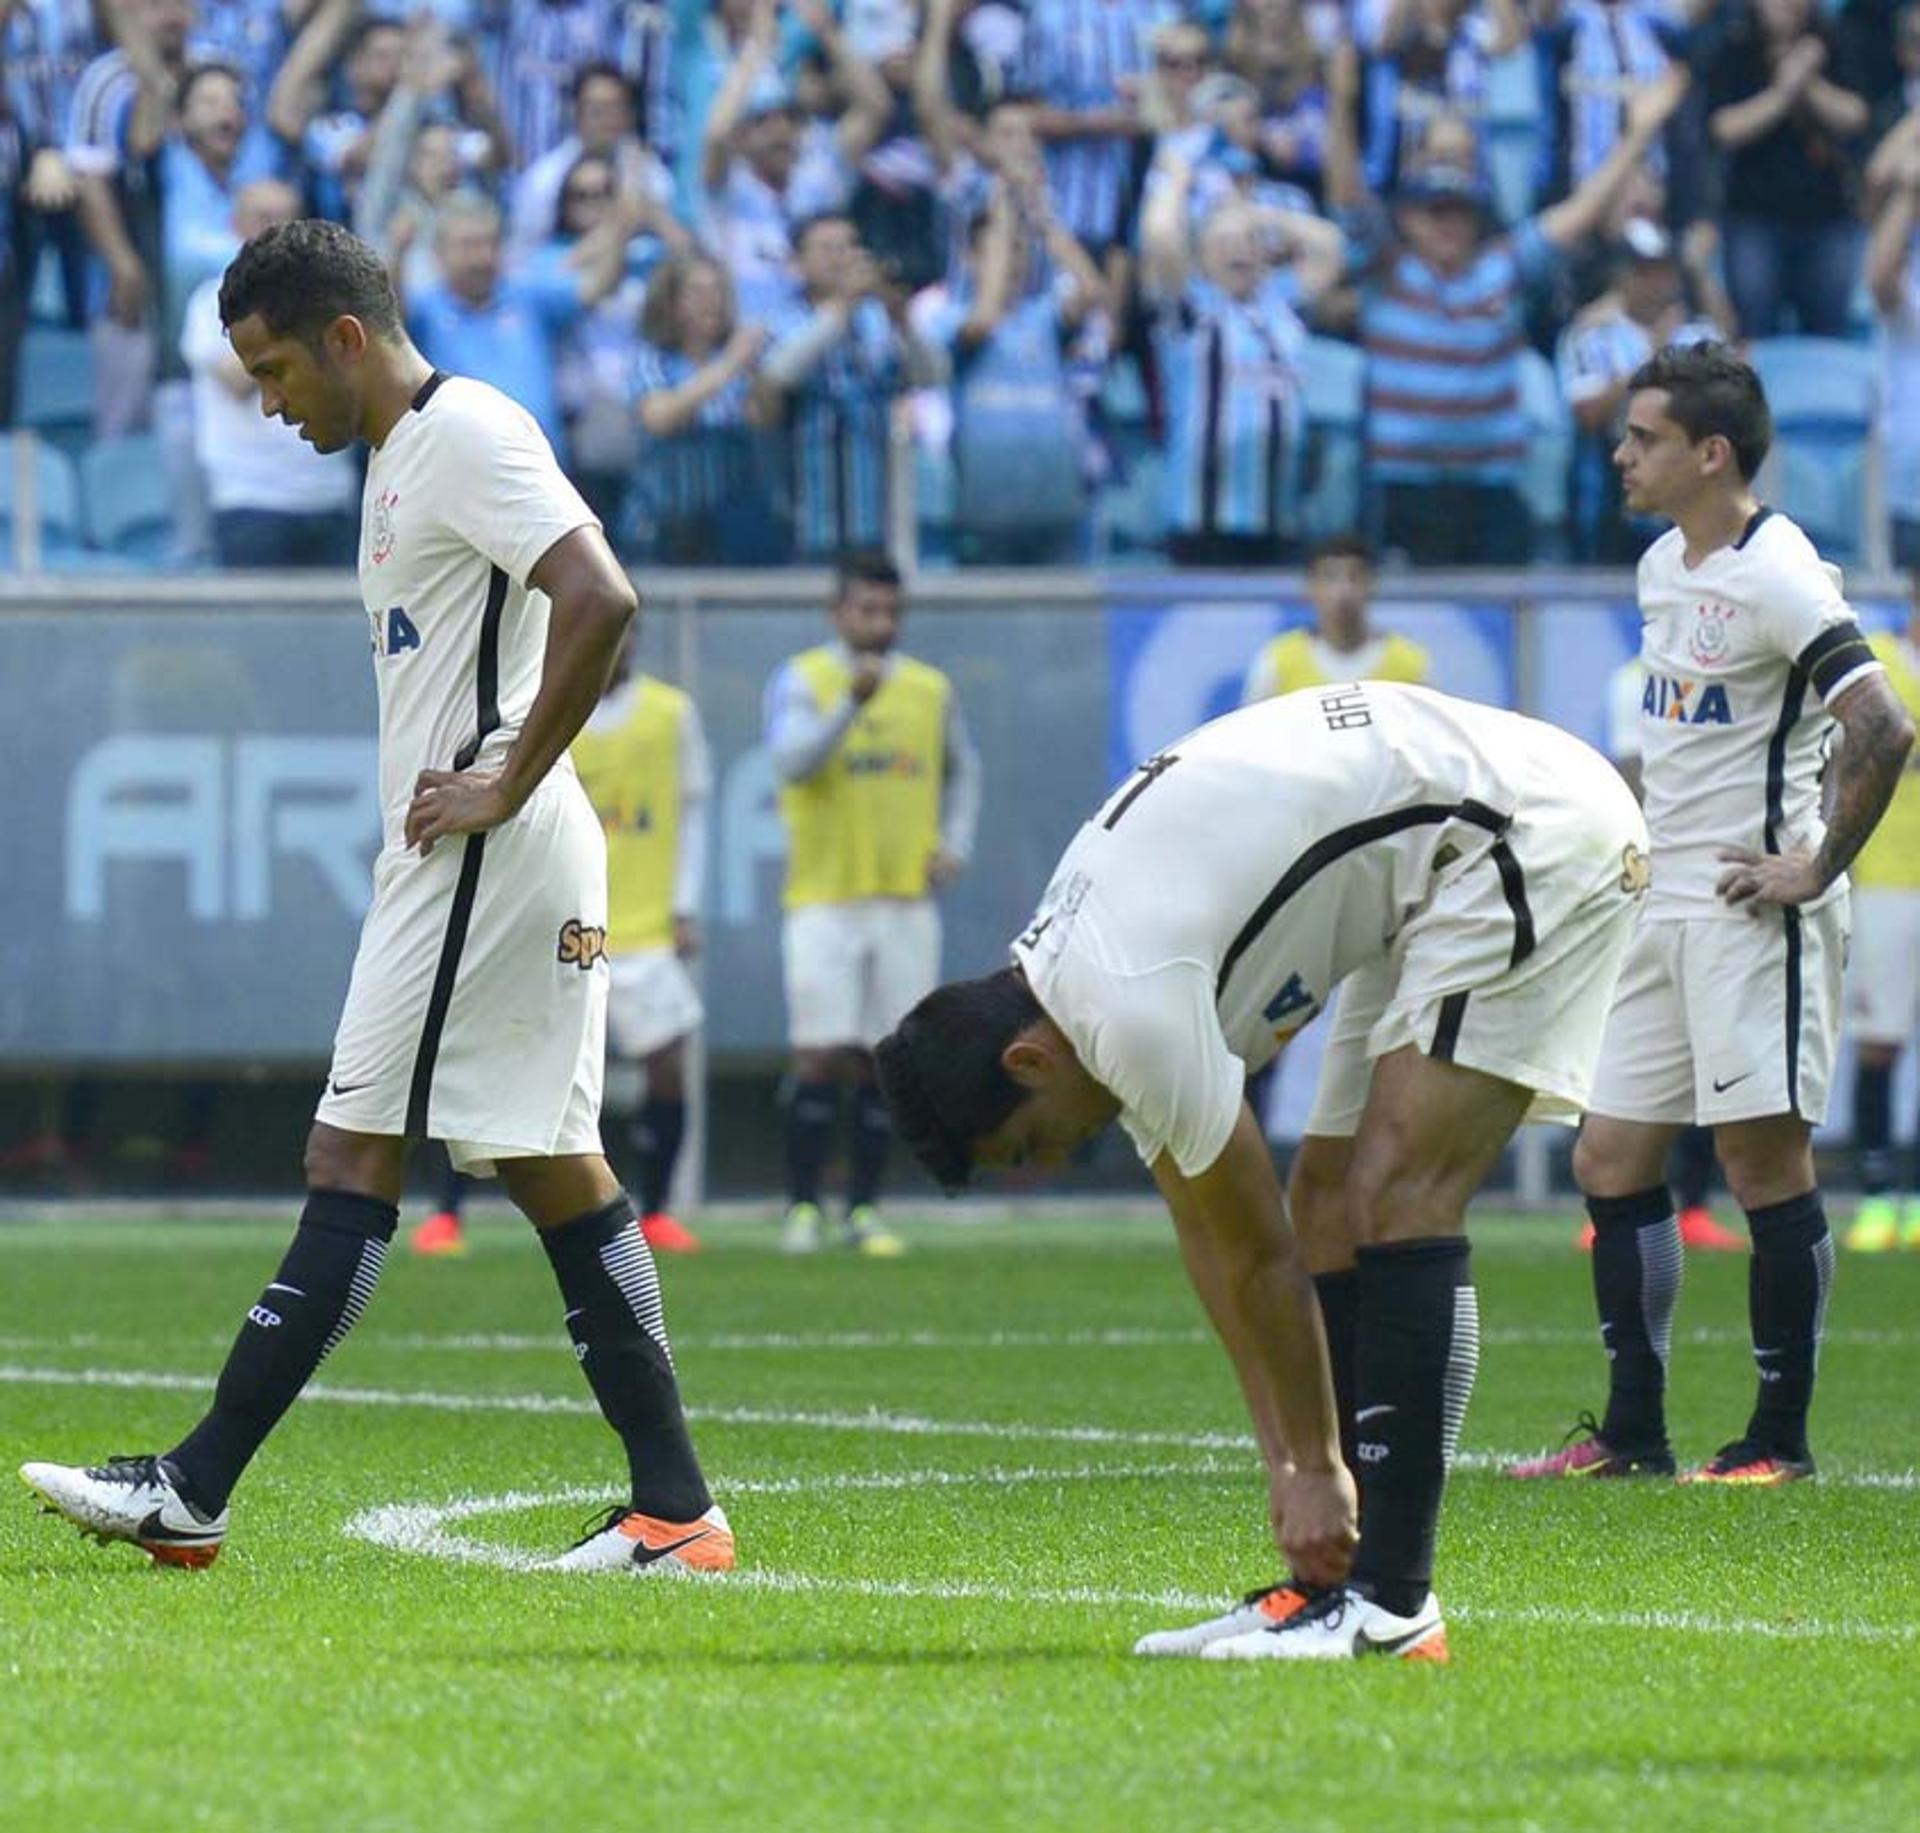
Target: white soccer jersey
(1204,914)
(462,500)
(1733,741)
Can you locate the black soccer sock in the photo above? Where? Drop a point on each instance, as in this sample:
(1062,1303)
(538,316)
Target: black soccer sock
(656,1134)
(1417,1341)
(1693,1167)
(453,1189)
(1339,1295)
(328,1274)
(813,1110)
(1637,1266)
(1873,1127)
(867,1152)
(614,1316)
(1787,1284)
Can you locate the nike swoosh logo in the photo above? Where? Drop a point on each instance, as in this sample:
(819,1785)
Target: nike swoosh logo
(1366,1413)
(1720,1088)
(1364,1644)
(644,1555)
(155,1528)
(348,1088)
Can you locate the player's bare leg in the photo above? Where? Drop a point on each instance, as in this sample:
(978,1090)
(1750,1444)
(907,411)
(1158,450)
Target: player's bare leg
(175,1505)
(1769,1167)
(1621,1166)
(615,1317)
(1317,1202)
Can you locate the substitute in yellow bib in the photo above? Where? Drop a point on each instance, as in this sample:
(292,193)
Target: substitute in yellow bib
(1342,645)
(880,796)
(643,760)
(1883,993)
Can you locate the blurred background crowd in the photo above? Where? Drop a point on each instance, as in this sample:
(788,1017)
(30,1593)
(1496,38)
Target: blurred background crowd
(1010,281)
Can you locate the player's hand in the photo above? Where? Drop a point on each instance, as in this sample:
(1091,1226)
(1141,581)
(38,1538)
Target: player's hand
(1768,878)
(1651,107)
(868,673)
(686,937)
(1319,1523)
(943,868)
(447,802)
(50,182)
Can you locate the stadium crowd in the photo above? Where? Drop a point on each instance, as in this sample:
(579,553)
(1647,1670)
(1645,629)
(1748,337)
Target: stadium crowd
(1095,273)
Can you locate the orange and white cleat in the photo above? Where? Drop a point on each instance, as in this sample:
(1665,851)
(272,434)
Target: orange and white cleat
(135,1499)
(624,1540)
(1342,1625)
(1698,1230)
(1584,1453)
(666,1235)
(1751,1466)
(1261,1609)
(439,1236)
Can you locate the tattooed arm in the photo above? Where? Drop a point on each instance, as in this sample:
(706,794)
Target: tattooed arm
(1875,738)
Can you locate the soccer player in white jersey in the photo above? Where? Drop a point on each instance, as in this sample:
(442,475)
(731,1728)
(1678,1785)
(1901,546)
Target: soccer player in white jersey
(1729,1007)
(1472,877)
(477,1007)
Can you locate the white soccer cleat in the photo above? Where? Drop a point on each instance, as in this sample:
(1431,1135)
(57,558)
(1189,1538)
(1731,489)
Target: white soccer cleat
(135,1499)
(1342,1626)
(627,1541)
(1258,1610)
(800,1232)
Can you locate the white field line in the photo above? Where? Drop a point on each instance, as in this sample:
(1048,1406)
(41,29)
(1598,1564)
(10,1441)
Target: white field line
(905,1425)
(776,1341)
(424,1528)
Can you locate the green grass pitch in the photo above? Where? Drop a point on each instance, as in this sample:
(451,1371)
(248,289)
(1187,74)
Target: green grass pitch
(962,1484)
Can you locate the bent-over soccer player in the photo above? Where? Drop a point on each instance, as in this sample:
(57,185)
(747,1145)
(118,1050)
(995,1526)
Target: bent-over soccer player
(1473,877)
(477,1008)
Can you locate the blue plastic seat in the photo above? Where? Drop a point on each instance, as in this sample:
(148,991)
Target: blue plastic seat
(1334,376)
(1824,393)
(129,503)
(56,378)
(58,491)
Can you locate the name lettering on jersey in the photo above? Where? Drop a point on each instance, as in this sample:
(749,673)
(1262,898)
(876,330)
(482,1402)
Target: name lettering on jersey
(582,945)
(1346,709)
(1710,639)
(1686,703)
(380,535)
(394,632)
(1290,1009)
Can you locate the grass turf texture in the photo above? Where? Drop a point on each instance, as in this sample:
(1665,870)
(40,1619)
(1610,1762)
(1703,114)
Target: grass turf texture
(1623,1653)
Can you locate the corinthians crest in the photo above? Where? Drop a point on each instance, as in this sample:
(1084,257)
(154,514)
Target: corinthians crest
(381,544)
(1711,639)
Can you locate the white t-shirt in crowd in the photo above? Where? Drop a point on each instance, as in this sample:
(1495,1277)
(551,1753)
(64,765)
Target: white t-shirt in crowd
(1742,655)
(461,502)
(249,461)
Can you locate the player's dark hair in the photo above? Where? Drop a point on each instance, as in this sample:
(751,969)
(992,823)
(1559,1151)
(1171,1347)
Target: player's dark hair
(1342,547)
(300,276)
(940,1073)
(1711,391)
(866,566)
(599,70)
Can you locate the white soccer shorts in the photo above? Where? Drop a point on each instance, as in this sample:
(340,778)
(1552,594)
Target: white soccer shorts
(477,1009)
(854,970)
(651,1001)
(1726,1018)
(1452,986)
(1883,965)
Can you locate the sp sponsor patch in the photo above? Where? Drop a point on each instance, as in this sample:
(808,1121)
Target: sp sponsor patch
(581,945)
(1636,870)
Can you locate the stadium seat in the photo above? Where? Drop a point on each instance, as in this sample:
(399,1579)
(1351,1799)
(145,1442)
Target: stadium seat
(129,504)
(59,502)
(1335,377)
(1546,481)
(1824,393)
(56,379)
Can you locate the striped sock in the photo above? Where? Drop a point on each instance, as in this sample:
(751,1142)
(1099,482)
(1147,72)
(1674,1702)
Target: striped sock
(1417,1352)
(316,1297)
(618,1326)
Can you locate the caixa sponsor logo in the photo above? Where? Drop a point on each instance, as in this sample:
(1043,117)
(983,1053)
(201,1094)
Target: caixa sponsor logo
(227,815)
